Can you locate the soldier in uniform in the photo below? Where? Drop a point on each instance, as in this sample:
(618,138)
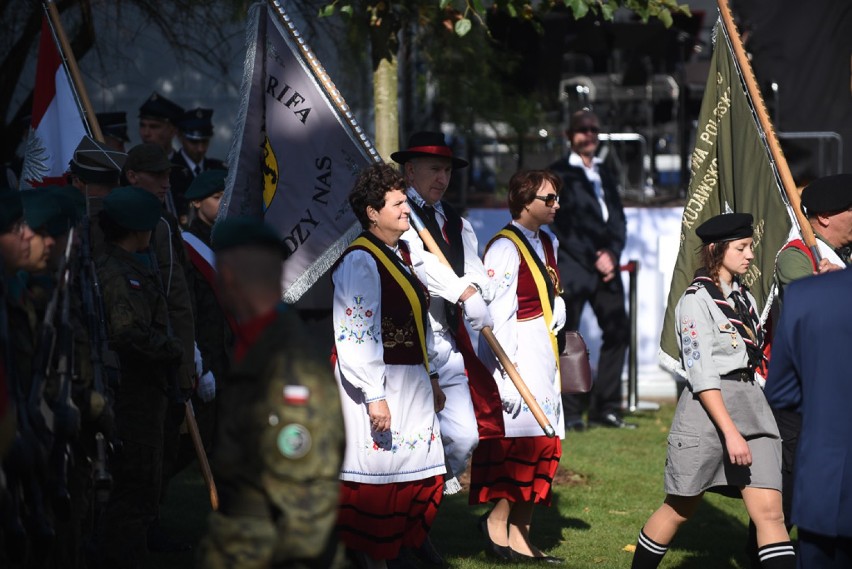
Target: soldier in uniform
(95,171)
(195,129)
(280,437)
(137,319)
(114,128)
(148,168)
(158,118)
(215,332)
(723,436)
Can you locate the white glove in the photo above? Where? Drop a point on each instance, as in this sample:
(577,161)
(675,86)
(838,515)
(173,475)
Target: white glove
(199,365)
(206,387)
(512,405)
(476,312)
(559,315)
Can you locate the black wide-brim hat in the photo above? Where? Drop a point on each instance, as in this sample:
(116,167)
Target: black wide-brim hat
(427,144)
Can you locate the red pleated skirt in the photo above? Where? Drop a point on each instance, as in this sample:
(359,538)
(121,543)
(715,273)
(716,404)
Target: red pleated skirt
(379,519)
(518,469)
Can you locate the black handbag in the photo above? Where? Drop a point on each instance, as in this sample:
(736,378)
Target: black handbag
(574,367)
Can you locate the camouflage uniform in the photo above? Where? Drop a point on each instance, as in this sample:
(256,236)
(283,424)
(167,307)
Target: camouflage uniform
(136,318)
(280,446)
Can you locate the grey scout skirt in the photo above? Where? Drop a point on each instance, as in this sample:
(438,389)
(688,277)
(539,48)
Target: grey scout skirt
(697,460)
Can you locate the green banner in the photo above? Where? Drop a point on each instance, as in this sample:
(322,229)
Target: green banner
(731,170)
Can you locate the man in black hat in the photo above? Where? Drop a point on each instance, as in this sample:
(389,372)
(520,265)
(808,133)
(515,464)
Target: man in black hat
(195,129)
(158,118)
(114,128)
(592,231)
(427,165)
(95,171)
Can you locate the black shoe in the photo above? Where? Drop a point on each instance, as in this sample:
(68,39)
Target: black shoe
(429,555)
(501,552)
(578,426)
(520,557)
(612,421)
(161,542)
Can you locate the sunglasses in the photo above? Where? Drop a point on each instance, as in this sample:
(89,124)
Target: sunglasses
(587,129)
(549,199)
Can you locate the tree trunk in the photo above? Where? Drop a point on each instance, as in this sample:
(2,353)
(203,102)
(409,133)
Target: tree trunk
(385,86)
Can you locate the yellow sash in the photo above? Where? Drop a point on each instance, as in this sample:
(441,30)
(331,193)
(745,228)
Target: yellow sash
(540,285)
(406,286)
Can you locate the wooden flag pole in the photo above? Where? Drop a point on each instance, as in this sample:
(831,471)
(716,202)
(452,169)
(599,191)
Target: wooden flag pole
(489,336)
(766,124)
(73,70)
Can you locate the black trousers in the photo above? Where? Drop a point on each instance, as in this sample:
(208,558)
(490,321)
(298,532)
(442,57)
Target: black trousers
(607,302)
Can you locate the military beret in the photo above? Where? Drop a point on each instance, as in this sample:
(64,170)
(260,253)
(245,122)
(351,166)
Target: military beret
(245,232)
(196,124)
(206,184)
(40,206)
(147,157)
(11,208)
(68,198)
(133,208)
(160,108)
(114,125)
(726,227)
(96,163)
(828,194)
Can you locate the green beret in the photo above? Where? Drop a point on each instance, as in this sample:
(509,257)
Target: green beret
(726,227)
(206,184)
(69,212)
(828,194)
(75,197)
(40,206)
(148,157)
(133,208)
(245,232)
(11,208)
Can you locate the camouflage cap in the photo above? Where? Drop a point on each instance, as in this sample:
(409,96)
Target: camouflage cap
(148,157)
(133,208)
(206,184)
(40,206)
(96,163)
(160,108)
(114,125)
(196,124)
(245,232)
(11,208)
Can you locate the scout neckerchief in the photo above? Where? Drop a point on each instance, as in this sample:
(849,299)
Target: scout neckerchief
(405,277)
(543,281)
(744,318)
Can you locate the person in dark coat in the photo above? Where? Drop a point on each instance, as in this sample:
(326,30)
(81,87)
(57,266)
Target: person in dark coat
(592,230)
(806,375)
(195,129)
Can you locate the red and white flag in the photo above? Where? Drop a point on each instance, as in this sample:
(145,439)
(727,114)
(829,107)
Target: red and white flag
(57,124)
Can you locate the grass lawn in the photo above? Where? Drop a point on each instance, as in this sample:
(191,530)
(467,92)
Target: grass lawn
(609,482)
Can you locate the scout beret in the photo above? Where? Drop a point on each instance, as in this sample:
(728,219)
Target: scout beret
(96,163)
(160,108)
(245,232)
(206,184)
(68,199)
(40,206)
(75,197)
(828,194)
(11,208)
(196,124)
(147,157)
(133,208)
(726,227)
(114,125)
(427,144)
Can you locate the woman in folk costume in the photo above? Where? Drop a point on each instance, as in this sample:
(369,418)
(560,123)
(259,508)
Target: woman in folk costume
(394,463)
(516,472)
(723,437)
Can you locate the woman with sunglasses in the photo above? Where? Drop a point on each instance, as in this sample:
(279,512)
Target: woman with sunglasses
(516,472)
(592,230)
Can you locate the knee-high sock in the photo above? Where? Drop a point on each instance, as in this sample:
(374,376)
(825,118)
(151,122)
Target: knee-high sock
(648,553)
(779,555)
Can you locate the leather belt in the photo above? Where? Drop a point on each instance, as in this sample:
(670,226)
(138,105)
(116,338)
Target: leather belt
(739,375)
